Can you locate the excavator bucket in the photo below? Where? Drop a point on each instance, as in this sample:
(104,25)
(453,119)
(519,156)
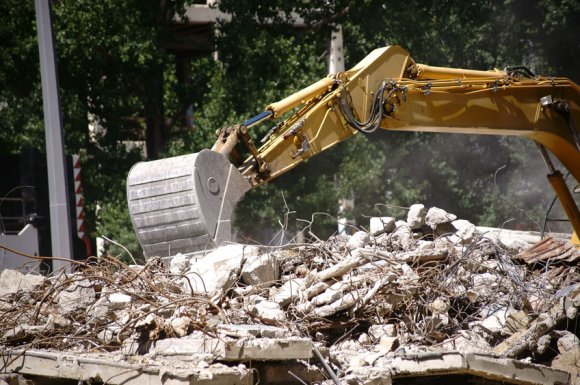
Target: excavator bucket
(184,204)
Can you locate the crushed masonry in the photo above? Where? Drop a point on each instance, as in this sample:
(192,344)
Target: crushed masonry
(428,296)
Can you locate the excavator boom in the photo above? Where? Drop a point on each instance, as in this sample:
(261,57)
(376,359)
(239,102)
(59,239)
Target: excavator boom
(174,207)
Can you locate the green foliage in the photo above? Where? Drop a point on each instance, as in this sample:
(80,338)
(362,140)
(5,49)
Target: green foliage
(114,222)
(116,69)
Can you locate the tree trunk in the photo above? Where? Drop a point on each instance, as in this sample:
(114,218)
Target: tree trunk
(157,134)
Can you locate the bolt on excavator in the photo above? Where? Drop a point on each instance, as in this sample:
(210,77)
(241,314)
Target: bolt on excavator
(184,204)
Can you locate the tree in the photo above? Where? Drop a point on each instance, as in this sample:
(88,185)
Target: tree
(430,168)
(117,70)
(113,66)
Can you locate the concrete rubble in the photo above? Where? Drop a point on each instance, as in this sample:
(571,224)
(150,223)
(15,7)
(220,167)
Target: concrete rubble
(431,297)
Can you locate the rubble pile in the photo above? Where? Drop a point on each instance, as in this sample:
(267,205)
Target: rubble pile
(430,283)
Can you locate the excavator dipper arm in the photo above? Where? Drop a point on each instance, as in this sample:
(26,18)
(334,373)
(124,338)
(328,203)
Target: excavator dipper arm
(387,90)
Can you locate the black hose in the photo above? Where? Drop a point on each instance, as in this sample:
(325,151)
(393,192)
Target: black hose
(374,120)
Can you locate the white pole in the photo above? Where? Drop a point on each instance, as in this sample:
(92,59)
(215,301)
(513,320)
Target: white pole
(336,64)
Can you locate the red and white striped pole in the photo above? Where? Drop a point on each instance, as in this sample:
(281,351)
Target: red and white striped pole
(79,203)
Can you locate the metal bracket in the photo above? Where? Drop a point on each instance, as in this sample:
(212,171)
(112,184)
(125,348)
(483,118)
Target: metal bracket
(562,107)
(304,147)
(427,88)
(295,129)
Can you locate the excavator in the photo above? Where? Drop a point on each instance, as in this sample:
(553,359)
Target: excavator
(184,204)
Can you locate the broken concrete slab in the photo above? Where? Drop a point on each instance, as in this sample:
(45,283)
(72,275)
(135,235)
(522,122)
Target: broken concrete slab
(228,349)
(219,269)
(114,370)
(287,372)
(245,331)
(513,238)
(499,369)
(12,280)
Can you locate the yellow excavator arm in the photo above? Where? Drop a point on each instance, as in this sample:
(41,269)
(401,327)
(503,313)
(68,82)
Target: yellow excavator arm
(388,90)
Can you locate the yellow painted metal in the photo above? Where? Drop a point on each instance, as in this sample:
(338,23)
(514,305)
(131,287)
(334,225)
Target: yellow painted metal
(424,71)
(507,108)
(559,184)
(431,99)
(300,97)
(319,122)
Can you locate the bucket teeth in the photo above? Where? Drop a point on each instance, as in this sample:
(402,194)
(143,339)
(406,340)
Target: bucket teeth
(185,203)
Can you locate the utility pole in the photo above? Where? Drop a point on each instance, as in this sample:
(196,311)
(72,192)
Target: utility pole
(336,64)
(336,60)
(60,219)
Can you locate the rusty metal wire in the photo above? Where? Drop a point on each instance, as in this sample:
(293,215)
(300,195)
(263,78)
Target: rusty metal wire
(40,319)
(432,293)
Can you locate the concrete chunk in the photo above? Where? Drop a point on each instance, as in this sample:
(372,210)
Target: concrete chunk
(79,295)
(569,343)
(288,292)
(180,325)
(416,216)
(269,311)
(12,280)
(388,343)
(467,342)
(496,321)
(179,263)
(219,269)
(331,294)
(261,270)
(436,216)
(379,225)
(516,320)
(377,331)
(465,231)
(401,237)
(358,239)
